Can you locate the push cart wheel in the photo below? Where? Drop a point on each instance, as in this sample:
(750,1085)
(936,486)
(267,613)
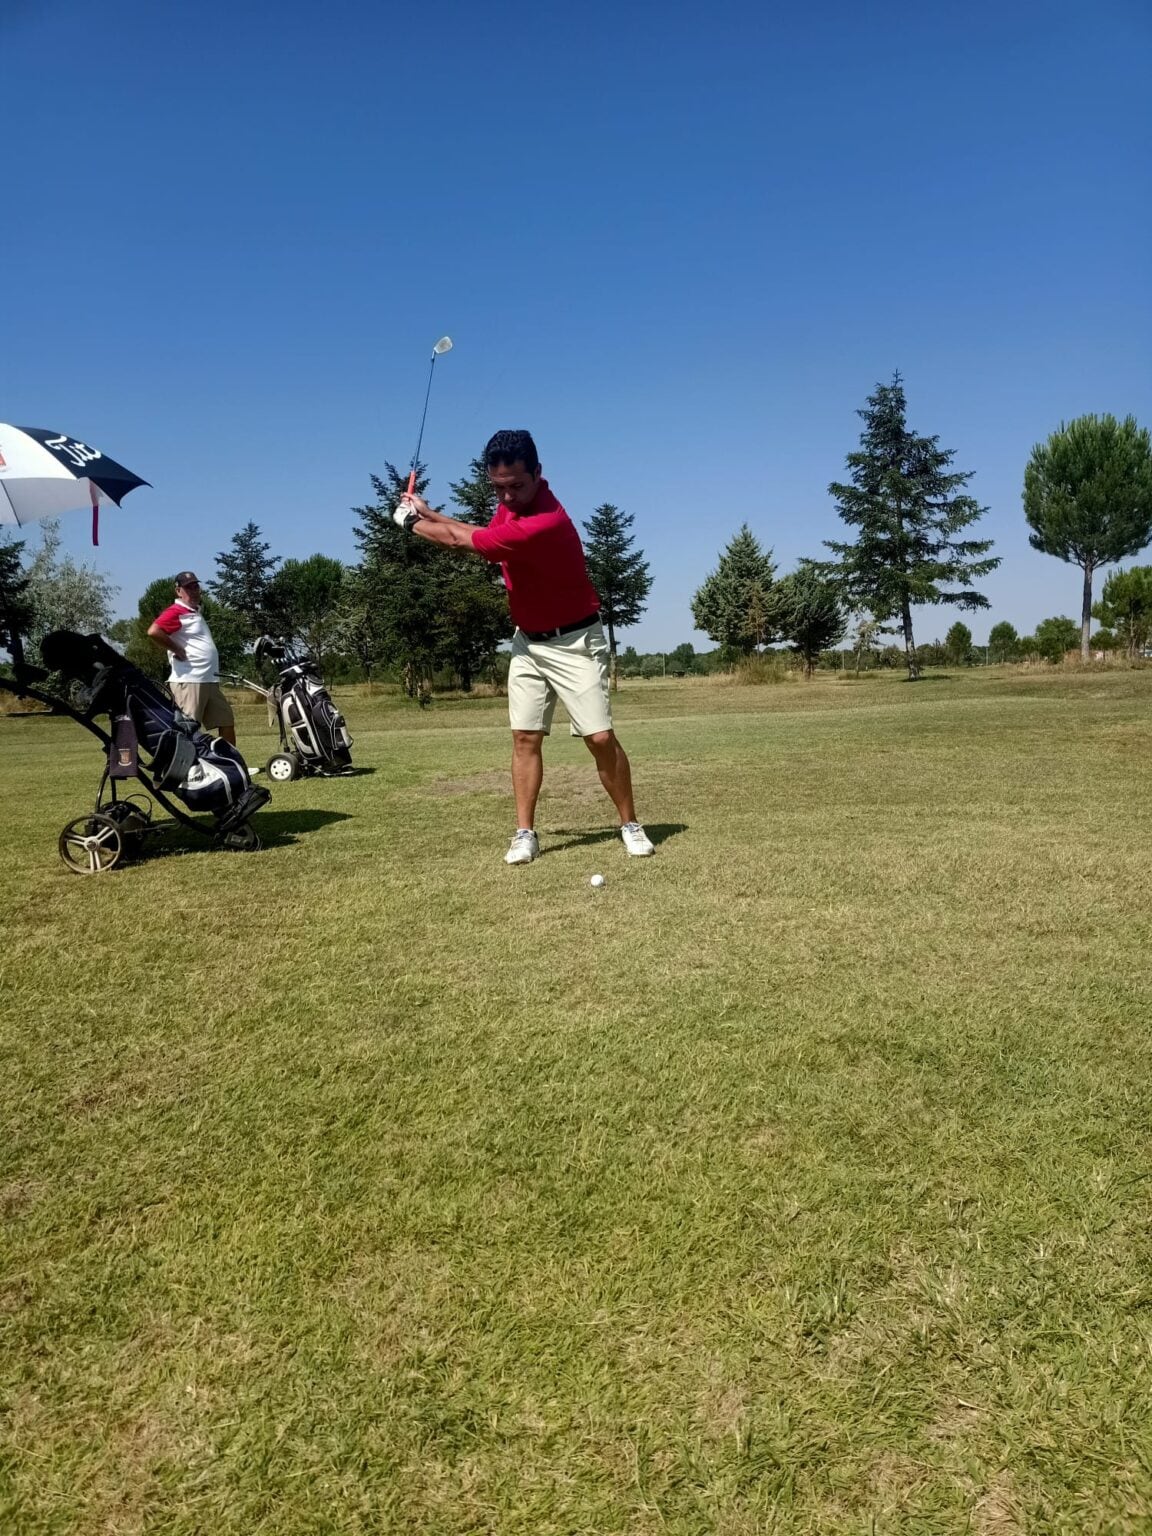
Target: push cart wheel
(91,844)
(283,767)
(243,840)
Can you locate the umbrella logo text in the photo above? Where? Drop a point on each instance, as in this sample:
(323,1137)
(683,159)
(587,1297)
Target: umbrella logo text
(79,453)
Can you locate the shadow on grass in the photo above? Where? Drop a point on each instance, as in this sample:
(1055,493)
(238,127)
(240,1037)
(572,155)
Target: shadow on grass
(658,832)
(347,773)
(278,829)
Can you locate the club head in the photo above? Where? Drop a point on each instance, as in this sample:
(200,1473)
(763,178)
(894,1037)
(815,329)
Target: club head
(443,345)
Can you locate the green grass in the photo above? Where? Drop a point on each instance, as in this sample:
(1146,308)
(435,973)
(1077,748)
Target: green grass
(796,1181)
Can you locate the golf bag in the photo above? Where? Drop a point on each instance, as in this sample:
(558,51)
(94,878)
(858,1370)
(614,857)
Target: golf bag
(313,735)
(207,774)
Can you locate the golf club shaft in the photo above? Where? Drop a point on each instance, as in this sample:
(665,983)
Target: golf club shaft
(423,419)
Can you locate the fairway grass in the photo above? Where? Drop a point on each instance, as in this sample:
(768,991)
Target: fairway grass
(796,1181)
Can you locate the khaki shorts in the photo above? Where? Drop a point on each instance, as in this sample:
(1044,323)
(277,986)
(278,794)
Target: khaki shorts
(573,669)
(205,702)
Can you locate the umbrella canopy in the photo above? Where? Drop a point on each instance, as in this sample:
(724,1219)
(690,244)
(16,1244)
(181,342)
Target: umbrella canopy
(45,474)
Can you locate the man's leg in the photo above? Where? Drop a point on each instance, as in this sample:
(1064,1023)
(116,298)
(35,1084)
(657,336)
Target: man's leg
(527,774)
(227,727)
(216,712)
(615,771)
(531,701)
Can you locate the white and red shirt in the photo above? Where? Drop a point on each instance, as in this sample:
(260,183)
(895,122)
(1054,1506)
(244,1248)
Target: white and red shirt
(202,663)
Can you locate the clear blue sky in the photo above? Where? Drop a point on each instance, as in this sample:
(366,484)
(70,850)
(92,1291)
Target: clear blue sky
(681,243)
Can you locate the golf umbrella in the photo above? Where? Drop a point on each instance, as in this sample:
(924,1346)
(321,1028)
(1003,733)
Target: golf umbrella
(44,474)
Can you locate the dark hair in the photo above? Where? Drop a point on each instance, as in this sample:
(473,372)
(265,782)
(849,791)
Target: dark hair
(512,448)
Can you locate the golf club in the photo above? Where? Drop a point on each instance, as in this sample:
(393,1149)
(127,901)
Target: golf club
(443,345)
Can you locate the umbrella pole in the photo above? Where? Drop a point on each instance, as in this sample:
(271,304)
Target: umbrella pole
(95,495)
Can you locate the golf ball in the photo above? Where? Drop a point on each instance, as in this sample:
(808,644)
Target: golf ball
(597,880)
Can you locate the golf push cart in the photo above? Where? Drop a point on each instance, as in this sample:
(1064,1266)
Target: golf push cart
(149,740)
(314,738)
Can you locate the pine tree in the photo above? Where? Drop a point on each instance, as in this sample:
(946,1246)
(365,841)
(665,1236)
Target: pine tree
(812,615)
(1088,497)
(958,645)
(474,606)
(243,574)
(1125,607)
(475,495)
(902,500)
(617,571)
(400,578)
(737,605)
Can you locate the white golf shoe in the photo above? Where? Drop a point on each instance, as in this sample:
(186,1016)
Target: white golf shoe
(523,848)
(636,840)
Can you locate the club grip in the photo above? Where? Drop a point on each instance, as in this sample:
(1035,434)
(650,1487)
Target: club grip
(411,483)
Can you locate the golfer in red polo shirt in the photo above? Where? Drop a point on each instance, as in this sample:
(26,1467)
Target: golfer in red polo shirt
(559,650)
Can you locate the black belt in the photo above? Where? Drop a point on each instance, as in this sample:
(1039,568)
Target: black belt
(565,629)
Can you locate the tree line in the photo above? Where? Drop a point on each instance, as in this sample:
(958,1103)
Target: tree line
(405,611)
(1087,500)
(401,610)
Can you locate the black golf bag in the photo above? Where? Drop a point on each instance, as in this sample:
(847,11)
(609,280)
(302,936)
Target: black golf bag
(314,738)
(207,774)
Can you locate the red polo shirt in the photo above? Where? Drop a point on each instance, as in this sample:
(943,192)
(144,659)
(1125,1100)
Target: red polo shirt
(542,558)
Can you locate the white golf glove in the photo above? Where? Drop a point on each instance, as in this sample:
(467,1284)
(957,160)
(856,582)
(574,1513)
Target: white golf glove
(405,514)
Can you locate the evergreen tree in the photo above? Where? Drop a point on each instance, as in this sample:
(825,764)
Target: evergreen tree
(1088,497)
(1003,642)
(617,571)
(736,605)
(812,616)
(243,575)
(400,579)
(1125,607)
(475,496)
(903,502)
(958,645)
(17,615)
(474,605)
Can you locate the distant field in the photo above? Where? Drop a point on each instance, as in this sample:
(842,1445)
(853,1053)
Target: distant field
(797,1181)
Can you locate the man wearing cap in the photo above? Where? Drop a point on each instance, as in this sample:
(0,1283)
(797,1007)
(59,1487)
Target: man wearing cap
(183,631)
(559,650)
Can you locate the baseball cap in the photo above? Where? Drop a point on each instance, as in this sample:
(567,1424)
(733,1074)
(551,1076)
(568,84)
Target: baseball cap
(187,579)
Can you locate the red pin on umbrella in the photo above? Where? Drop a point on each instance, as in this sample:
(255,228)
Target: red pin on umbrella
(45,474)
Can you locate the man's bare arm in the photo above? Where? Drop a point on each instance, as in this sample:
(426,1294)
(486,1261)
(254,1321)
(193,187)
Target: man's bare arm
(446,532)
(166,642)
(437,528)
